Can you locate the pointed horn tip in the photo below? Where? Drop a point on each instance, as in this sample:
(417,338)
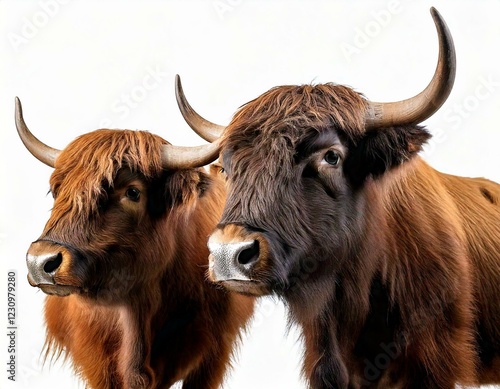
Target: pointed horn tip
(178,87)
(18,111)
(445,40)
(204,128)
(17,102)
(436,16)
(39,150)
(440,22)
(376,117)
(435,13)
(178,84)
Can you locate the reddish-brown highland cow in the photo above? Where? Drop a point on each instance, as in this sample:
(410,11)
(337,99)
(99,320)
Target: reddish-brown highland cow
(391,268)
(123,258)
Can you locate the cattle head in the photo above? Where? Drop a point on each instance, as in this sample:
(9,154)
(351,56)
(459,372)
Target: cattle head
(117,194)
(299,162)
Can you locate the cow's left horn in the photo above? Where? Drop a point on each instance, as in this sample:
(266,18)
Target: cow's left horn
(207,130)
(427,102)
(184,157)
(40,150)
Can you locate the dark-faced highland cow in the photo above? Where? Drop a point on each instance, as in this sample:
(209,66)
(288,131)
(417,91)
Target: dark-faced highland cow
(390,268)
(123,258)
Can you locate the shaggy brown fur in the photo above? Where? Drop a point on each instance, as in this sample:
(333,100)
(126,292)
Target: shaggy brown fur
(132,238)
(391,268)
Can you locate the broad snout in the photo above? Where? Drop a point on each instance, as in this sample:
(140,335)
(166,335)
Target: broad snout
(46,262)
(237,259)
(233,260)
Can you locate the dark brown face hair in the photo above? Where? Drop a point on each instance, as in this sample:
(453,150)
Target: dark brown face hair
(297,159)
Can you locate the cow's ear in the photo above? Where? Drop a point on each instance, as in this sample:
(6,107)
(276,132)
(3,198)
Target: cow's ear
(174,188)
(380,150)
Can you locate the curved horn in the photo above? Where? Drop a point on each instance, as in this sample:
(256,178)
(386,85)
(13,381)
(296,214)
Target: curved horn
(183,157)
(427,102)
(40,150)
(207,130)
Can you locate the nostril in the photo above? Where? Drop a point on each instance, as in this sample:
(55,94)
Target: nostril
(52,263)
(250,254)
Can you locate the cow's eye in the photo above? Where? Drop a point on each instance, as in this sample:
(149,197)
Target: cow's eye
(133,194)
(331,157)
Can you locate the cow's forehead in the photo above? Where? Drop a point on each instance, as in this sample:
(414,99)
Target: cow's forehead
(294,113)
(103,152)
(291,119)
(93,160)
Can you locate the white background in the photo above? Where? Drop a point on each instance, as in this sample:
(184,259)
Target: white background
(72,65)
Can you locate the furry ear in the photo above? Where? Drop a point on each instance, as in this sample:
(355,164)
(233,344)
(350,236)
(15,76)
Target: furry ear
(174,188)
(383,149)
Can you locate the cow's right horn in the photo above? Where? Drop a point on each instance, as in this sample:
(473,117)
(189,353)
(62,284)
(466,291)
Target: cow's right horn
(418,108)
(40,150)
(204,128)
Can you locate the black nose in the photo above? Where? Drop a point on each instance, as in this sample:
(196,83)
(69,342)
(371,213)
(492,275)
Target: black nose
(52,263)
(42,266)
(249,254)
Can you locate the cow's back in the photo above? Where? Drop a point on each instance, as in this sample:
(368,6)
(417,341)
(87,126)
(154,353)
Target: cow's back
(478,202)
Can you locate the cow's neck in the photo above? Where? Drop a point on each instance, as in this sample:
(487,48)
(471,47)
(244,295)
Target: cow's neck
(343,277)
(172,302)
